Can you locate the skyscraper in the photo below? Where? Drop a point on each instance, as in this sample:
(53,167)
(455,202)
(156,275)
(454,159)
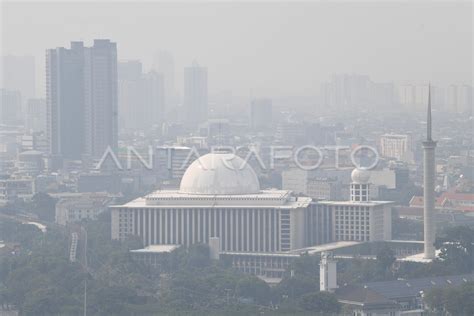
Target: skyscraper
(164,64)
(36,115)
(261,114)
(195,94)
(459,99)
(428,187)
(154,99)
(130,94)
(141,97)
(81,99)
(101,109)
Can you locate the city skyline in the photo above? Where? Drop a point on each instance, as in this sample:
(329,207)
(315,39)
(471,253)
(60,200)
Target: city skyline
(274,65)
(206,157)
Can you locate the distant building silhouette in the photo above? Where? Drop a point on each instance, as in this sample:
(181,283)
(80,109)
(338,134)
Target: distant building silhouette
(261,114)
(141,97)
(129,93)
(459,99)
(154,99)
(36,115)
(19,74)
(164,64)
(195,94)
(10,107)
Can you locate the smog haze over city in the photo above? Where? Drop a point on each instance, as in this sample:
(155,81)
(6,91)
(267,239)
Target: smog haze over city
(236,158)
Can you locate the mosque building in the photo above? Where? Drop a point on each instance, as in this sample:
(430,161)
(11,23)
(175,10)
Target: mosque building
(219,196)
(220,203)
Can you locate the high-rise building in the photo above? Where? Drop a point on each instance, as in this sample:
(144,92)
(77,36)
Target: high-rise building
(195,94)
(130,94)
(81,99)
(65,100)
(101,109)
(36,115)
(347,91)
(459,99)
(353,91)
(153,99)
(141,97)
(164,63)
(10,107)
(413,97)
(261,114)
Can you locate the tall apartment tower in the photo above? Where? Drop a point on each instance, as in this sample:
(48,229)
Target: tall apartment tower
(195,94)
(81,99)
(164,64)
(428,187)
(101,106)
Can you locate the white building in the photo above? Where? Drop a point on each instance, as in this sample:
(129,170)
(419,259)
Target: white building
(30,163)
(13,188)
(360,219)
(77,208)
(219,196)
(318,184)
(259,231)
(396,146)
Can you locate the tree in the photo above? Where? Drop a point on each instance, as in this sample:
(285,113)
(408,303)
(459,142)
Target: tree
(254,288)
(453,300)
(44,206)
(385,260)
(320,302)
(457,248)
(296,286)
(435,299)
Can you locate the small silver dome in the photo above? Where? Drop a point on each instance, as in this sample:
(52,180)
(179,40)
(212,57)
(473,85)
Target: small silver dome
(360,176)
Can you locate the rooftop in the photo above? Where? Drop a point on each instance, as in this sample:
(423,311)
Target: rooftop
(358,203)
(326,247)
(156,249)
(413,287)
(175,198)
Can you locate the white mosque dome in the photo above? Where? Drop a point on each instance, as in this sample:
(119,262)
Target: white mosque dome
(219,174)
(360,176)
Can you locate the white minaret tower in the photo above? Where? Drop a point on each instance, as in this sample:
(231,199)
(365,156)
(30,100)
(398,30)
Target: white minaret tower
(429,186)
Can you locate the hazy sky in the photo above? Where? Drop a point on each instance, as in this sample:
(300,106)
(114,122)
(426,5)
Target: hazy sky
(263,49)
